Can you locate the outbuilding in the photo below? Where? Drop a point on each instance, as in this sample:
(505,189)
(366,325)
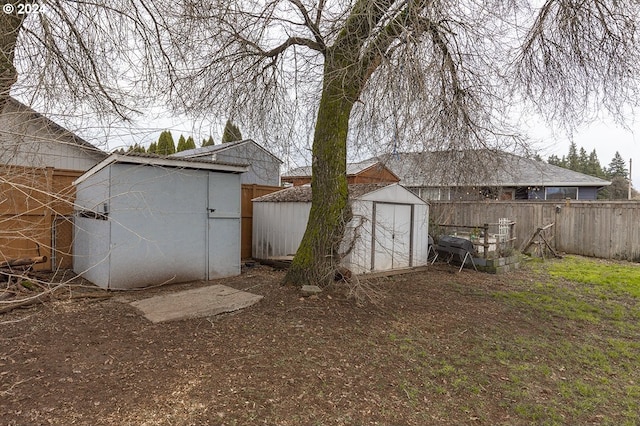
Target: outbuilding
(389,229)
(144,220)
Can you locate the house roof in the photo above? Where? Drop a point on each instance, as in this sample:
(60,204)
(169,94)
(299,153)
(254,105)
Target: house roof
(481,168)
(162,161)
(302,194)
(31,114)
(352,169)
(213,149)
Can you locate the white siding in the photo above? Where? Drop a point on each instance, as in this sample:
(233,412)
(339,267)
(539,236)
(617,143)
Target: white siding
(27,139)
(278,228)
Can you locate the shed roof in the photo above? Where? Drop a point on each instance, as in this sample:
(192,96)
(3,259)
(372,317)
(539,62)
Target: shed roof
(302,194)
(213,149)
(162,161)
(481,168)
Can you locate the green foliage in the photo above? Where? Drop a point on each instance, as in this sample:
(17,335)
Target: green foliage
(165,146)
(181,143)
(136,148)
(231,133)
(190,143)
(617,167)
(208,142)
(556,161)
(573,162)
(153,147)
(593,166)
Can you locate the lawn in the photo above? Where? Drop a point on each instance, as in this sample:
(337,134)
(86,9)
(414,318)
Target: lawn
(556,342)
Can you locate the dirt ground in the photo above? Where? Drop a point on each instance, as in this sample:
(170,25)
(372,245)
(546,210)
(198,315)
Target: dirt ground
(287,360)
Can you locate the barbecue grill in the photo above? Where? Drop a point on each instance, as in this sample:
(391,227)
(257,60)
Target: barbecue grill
(455,246)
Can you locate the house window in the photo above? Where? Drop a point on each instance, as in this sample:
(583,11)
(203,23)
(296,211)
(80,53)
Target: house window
(561,192)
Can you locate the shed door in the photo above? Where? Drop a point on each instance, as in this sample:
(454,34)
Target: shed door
(392,236)
(223,243)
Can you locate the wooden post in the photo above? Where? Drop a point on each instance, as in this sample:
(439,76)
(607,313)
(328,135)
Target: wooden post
(486,240)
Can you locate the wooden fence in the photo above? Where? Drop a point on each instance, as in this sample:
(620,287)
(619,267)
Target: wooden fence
(608,229)
(249,192)
(35,214)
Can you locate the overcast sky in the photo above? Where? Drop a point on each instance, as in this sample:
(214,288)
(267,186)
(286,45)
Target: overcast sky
(605,137)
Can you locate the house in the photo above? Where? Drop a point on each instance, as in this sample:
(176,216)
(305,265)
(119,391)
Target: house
(264,167)
(388,230)
(369,171)
(144,220)
(486,174)
(39,160)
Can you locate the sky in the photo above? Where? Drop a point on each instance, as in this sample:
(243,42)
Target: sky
(605,136)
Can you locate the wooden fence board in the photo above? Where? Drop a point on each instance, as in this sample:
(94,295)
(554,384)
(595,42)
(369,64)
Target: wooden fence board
(32,203)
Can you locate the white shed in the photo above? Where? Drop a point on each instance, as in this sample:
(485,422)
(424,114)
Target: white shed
(389,229)
(142,220)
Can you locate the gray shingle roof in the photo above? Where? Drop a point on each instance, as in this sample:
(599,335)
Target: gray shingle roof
(481,168)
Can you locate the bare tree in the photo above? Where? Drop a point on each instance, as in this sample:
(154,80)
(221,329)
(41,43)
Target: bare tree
(439,74)
(434,74)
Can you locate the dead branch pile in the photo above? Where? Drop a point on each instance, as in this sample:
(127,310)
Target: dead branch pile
(21,287)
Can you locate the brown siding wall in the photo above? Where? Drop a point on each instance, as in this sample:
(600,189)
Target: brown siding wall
(35,210)
(608,230)
(374,174)
(250,192)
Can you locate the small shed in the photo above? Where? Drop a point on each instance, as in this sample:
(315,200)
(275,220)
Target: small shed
(389,229)
(143,220)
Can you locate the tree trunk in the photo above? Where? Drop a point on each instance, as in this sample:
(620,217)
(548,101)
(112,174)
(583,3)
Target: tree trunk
(10,25)
(317,257)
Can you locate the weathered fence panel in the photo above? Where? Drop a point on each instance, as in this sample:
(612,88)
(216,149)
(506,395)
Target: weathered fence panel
(34,208)
(604,229)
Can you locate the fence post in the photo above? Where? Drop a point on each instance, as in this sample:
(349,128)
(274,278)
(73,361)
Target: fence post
(486,240)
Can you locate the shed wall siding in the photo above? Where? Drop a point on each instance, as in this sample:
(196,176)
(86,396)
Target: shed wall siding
(158,221)
(278,228)
(91,250)
(264,169)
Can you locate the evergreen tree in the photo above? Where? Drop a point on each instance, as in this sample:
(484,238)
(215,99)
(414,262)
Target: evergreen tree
(166,146)
(573,161)
(190,143)
(593,166)
(208,142)
(153,147)
(583,161)
(554,160)
(231,133)
(617,167)
(181,143)
(135,148)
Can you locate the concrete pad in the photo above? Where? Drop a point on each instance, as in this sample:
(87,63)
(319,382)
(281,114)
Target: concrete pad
(199,302)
